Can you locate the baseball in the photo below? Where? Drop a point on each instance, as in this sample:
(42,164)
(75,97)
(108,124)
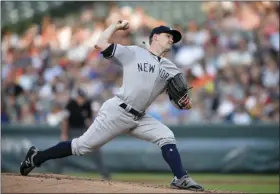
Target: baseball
(124,24)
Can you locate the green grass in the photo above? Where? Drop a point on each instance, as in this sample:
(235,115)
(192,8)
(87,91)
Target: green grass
(248,188)
(249,183)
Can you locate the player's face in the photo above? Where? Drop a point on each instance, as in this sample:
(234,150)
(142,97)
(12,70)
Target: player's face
(165,40)
(81,100)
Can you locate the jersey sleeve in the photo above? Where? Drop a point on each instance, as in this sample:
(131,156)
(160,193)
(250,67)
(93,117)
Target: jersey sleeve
(123,54)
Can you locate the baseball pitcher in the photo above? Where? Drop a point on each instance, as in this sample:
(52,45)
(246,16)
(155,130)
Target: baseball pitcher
(146,75)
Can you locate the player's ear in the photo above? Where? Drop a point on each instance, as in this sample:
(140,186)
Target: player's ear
(155,37)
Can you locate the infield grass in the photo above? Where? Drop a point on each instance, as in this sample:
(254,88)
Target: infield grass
(249,183)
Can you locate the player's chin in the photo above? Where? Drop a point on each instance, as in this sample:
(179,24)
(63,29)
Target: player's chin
(167,49)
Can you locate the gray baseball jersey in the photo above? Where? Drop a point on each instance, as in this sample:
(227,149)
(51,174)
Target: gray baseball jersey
(144,78)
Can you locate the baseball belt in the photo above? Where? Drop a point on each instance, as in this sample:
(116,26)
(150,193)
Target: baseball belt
(136,113)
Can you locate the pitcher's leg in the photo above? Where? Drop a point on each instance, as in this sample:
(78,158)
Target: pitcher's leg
(99,133)
(93,138)
(34,157)
(172,158)
(106,126)
(60,150)
(152,130)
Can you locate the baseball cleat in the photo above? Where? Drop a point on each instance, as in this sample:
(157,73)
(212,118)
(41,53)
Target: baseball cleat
(186,182)
(27,165)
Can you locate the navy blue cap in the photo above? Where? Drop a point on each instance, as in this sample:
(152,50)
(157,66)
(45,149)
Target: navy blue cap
(164,29)
(81,93)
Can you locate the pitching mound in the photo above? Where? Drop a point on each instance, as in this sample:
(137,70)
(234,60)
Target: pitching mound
(52,183)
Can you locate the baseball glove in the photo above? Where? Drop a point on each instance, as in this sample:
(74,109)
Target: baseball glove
(177,91)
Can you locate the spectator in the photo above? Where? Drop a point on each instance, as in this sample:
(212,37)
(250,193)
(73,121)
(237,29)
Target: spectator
(230,58)
(240,116)
(56,116)
(26,115)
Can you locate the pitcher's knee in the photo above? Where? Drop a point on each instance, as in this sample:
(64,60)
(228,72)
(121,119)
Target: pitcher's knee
(168,139)
(80,147)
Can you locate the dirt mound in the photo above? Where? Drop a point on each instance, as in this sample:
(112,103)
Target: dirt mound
(52,183)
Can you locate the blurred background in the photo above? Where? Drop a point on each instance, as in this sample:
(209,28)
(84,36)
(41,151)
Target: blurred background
(229,53)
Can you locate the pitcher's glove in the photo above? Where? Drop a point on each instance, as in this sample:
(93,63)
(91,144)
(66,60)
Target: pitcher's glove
(177,90)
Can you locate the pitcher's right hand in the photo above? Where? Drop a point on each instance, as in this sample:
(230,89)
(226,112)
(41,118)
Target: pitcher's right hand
(122,25)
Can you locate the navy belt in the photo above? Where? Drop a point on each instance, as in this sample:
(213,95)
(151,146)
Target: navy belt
(136,113)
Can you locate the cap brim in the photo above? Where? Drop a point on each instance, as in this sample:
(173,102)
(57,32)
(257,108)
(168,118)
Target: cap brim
(176,35)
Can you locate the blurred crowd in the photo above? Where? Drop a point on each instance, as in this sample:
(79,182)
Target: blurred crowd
(231,60)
